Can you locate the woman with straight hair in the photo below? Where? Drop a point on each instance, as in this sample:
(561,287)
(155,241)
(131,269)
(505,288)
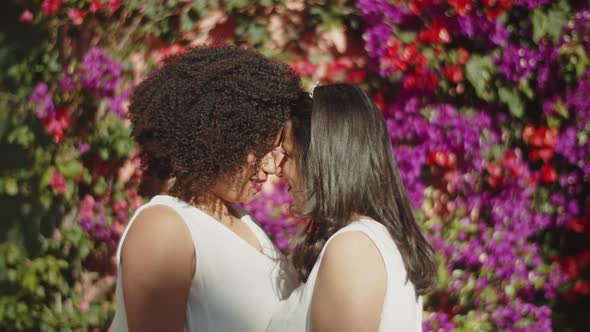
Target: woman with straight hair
(364,258)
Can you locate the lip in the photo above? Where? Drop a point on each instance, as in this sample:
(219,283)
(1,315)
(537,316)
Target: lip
(257,184)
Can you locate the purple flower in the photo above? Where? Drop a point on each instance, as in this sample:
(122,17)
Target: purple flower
(43,99)
(100,74)
(517,63)
(531,4)
(117,104)
(67,82)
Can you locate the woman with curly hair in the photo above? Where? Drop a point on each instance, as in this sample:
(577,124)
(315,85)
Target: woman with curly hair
(364,258)
(207,122)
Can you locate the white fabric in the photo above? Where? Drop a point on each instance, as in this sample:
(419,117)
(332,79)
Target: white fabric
(401,310)
(236,287)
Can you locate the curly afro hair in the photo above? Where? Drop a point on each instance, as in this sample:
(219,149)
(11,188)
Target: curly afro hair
(198,116)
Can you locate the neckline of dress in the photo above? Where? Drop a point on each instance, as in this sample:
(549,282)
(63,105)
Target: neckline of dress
(224,229)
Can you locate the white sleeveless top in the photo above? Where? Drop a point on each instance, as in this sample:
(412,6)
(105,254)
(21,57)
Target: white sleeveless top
(401,310)
(235,288)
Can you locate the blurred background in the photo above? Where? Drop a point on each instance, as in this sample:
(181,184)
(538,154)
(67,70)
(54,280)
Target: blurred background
(487,103)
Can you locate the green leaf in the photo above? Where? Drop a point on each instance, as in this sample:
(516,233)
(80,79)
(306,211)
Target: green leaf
(406,36)
(71,169)
(525,87)
(231,5)
(582,138)
(11,186)
(22,135)
(45,178)
(479,73)
(550,23)
(539,20)
(556,20)
(512,99)
(100,187)
(187,23)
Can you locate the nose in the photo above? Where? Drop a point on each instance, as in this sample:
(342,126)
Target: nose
(268,164)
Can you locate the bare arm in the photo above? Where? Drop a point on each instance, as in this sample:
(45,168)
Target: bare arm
(158,264)
(350,288)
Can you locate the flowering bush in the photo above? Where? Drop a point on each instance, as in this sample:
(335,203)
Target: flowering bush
(490,130)
(485,102)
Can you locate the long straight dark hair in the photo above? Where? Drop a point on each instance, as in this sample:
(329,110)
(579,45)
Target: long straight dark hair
(347,168)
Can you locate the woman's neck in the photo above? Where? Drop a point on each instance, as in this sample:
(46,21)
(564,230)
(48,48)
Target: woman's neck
(208,203)
(216,208)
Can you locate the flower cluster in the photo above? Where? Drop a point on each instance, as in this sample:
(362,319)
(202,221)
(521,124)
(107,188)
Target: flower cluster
(485,167)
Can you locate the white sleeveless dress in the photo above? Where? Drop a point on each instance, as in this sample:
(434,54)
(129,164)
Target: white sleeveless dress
(401,310)
(236,287)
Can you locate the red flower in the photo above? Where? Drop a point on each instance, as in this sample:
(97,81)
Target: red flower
(437,33)
(438,158)
(432,81)
(538,137)
(494,170)
(113,5)
(462,55)
(581,287)
(528,132)
(493,13)
(378,100)
(462,7)
(495,7)
(411,81)
(453,73)
(26,17)
(550,137)
(95,6)
(570,266)
(418,6)
(495,182)
(452,161)
(541,154)
(546,154)
(509,159)
(577,225)
(303,68)
(76,15)
(51,7)
(505,4)
(408,53)
(58,182)
(548,174)
(56,125)
(356,76)
(171,50)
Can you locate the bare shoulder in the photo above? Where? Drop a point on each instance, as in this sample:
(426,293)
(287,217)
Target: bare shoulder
(157,240)
(354,257)
(158,265)
(350,288)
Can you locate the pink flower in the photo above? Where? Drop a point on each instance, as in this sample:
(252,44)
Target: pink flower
(51,7)
(87,206)
(58,182)
(95,6)
(83,306)
(76,15)
(26,17)
(113,5)
(120,205)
